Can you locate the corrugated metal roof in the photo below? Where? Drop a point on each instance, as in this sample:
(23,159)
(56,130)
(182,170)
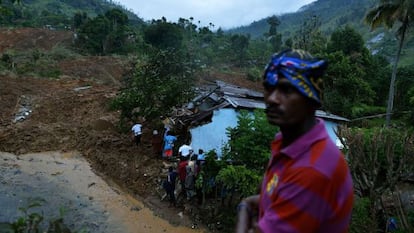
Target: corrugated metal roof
(233,90)
(214,97)
(245,103)
(239,97)
(327,115)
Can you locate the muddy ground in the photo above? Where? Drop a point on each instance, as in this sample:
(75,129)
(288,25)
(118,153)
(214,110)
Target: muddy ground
(64,183)
(71,113)
(60,117)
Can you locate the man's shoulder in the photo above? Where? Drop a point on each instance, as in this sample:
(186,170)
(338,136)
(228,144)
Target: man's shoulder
(325,158)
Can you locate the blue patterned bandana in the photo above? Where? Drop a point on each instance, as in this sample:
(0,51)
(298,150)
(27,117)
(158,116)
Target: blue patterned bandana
(300,68)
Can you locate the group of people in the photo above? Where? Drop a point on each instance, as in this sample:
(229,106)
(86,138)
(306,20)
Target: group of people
(162,145)
(189,163)
(307,185)
(188,168)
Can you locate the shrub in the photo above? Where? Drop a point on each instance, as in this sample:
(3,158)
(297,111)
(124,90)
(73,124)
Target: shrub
(31,220)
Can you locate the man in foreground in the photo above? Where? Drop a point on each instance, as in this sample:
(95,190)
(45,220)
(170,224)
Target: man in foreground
(307,185)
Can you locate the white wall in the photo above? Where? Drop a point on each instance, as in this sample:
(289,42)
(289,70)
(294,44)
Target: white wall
(212,136)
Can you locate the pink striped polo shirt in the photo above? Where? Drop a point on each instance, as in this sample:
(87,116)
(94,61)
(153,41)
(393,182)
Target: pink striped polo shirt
(307,186)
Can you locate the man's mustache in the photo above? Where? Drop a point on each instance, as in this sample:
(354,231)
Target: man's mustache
(273,109)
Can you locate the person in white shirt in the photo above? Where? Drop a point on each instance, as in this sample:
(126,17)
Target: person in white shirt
(185,151)
(201,156)
(137,132)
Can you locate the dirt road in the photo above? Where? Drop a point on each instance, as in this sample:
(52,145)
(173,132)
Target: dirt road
(65,180)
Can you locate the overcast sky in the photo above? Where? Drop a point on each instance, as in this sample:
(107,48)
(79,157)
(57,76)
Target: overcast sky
(222,13)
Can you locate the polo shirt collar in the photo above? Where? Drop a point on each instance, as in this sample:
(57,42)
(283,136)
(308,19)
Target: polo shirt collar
(304,142)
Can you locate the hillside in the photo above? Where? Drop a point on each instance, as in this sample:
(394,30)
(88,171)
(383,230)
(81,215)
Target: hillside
(331,13)
(334,14)
(62,116)
(58,14)
(70,114)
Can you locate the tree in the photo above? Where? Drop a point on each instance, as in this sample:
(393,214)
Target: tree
(249,141)
(117,18)
(4,11)
(79,19)
(378,158)
(387,13)
(163,35)
(344,85)
(274,38)
(403,86)
(309,36)
(118,31)
(354,42)
(92,35)
(12,1)
(103,34)
(377,75)
(159,83)
(239,45)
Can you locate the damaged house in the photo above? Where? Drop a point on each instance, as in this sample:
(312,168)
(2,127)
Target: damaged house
(214,110)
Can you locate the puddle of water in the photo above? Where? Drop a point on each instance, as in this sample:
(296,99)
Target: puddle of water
(65,180)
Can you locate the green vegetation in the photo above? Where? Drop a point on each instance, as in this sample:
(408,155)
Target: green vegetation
(104,34)
(333,14)
(379,158)
(388,13)
(55,14)
(171,56)
(159,83)
(35,62)
(239,172)
(32,221)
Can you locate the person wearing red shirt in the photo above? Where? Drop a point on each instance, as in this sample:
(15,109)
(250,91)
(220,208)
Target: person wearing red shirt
(182,172)
(307,186)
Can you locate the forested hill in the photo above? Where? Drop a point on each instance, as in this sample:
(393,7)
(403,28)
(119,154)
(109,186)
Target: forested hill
(330,13)
(38,13)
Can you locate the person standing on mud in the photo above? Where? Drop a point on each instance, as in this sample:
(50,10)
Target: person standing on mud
(137,132)
(182,173)
(169,140)
(307,186)
(170,186)
(185,151)
(189,183)
(156,142)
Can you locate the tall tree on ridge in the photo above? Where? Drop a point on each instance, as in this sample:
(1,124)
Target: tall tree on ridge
(387,13)
(274,38)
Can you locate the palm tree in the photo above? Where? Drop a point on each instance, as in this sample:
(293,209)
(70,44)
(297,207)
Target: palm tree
(387,13)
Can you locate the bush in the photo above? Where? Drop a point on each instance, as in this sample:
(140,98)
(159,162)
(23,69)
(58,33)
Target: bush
(59,53)
(32,221)
(254,74)
(361,219)
(377,157)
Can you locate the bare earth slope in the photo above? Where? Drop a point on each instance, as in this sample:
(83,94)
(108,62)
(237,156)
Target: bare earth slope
(71,114)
